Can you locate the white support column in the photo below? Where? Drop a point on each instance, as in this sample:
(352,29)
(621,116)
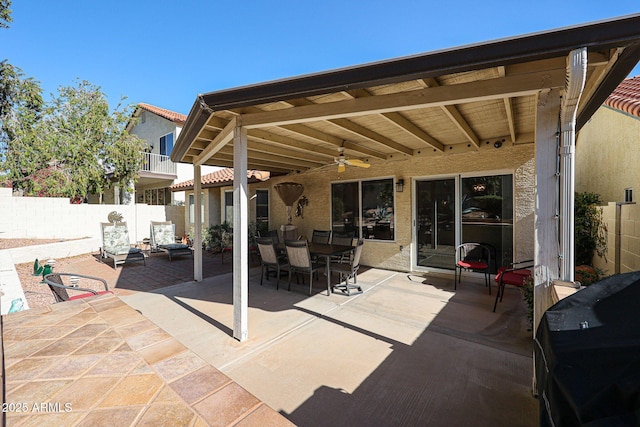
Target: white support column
(197,226)
(546,211)
(240,235)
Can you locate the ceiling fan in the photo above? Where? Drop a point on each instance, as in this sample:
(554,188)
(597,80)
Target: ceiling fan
(342,162)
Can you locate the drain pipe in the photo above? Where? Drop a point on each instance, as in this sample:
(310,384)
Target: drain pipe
(575,80)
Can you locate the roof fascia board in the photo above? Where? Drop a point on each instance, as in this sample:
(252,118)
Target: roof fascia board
(624,65)
(558,42)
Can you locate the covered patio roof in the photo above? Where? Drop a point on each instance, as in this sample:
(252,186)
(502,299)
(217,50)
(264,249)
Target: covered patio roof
(443,102)
(538,88)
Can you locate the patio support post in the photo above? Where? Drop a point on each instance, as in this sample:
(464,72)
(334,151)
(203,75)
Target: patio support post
(197,226)
(546,208)
(576,77)
(240,234)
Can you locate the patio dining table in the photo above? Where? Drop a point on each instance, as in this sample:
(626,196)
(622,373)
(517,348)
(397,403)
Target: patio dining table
(326,251)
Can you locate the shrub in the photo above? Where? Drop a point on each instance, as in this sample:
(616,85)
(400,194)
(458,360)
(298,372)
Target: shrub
(527,293)
(590,229)
(218,236)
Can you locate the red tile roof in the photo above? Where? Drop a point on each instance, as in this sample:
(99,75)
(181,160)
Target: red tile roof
(626,97)
(177,118)
(220,178)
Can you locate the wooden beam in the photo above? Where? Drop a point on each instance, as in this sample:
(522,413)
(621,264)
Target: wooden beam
(508,107)
(284,141)
(492,89)
(258,156)
(216,124)
(218,142)
(452,112)
(224,159)
(401,122)
(371,135)
(228,163)
(359,130)
(256,146)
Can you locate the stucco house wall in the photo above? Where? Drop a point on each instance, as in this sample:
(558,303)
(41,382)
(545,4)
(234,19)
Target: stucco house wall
(387,254)
(397,254)
(151,127)
(608,154)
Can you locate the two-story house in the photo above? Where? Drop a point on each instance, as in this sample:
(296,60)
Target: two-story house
(160,128)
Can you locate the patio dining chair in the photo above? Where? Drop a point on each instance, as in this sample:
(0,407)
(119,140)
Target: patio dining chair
(270,259)
(61,288)
(321,236)
(273,234)
(513,275)
(300,260)
(472,257)
(348,270)
(163,238)
(116,244)
(342,239)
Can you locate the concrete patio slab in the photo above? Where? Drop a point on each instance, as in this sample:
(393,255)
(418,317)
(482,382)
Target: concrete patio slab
(408,351)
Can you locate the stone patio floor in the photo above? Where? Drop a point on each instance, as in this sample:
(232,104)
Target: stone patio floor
(408,351)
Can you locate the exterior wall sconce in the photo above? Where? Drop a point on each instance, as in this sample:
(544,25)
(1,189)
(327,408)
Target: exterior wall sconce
(400,185)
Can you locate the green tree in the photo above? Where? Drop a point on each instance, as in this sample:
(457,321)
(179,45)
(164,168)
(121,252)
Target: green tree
(74,147)
(17,93)
(5,13)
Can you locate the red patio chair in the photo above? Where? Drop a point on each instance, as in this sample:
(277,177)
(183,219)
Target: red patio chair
(472,257)
(513,275)
(60,289)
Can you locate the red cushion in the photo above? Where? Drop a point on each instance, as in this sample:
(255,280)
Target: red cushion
(514,278)
(88,294)
(473,265)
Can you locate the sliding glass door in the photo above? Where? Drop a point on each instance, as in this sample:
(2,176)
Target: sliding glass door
(463,209)
(436,223)
(487,214)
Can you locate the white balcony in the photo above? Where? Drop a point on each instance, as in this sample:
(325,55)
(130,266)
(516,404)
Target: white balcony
(158,164)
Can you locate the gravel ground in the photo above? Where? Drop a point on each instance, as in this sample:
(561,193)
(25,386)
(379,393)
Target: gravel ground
(37,294)
(18,243)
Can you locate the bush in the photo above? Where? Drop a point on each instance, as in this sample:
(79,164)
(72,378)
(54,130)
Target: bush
(587,275)
(590,229)
(218,236)
(527,293)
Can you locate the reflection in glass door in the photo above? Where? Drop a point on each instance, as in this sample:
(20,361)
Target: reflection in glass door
(487,215)
(436,223)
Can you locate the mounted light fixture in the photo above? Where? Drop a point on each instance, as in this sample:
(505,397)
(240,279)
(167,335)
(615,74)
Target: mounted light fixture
(497,144)
(400,185)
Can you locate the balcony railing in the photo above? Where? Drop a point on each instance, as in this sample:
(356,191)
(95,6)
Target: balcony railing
(158,163)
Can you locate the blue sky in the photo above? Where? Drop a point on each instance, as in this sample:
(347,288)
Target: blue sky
(166,53)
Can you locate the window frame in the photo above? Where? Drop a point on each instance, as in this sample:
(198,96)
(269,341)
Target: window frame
(360,219)
(162,144)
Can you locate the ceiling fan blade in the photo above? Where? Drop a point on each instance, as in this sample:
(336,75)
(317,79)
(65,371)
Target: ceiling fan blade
(341,168)
(358,163)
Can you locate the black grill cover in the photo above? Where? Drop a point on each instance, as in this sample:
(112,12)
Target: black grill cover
(588,356)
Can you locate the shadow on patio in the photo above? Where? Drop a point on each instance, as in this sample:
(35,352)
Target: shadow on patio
(409,351)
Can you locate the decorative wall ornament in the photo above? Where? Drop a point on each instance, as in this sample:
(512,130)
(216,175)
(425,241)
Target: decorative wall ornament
(302,202)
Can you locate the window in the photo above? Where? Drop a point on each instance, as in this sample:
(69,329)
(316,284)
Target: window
(166,144)
(628,195)
(366,208)
(228,206)
(262,209)
(192,216)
